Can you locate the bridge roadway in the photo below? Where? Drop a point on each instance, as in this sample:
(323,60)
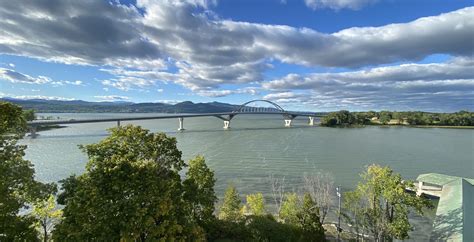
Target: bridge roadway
(225,116)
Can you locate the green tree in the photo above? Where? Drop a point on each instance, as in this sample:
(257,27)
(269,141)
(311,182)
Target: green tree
(231,206)
(385,204)
(290,209)
(354,213)
(47,215)
(385,117)
(199,190)
(256,204)
(309,220)
(131,190)
(29,115)
(18,188)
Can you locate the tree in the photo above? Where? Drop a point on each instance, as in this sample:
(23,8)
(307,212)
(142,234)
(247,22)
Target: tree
(131,190)
(342,117)
(47,215)
(256,204)
(18,188)
(320,186)
(385,117)
(278,190)
(386,204)
(290,209)
(199,190)
(29,115)
(309,220)
(231,206)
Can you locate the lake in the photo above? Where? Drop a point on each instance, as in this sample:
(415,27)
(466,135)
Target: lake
(257,146)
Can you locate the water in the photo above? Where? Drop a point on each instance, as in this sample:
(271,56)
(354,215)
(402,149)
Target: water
(258,145)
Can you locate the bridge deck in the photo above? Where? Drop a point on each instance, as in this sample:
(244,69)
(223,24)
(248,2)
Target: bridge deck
(164,116)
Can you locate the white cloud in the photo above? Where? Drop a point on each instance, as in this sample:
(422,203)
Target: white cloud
(222,93)
(338,4)
(458,68)
(11,65)
(16,77)
(112,98)
(209,52)
(29,97)
(168,101)
(185,43)
(441,86)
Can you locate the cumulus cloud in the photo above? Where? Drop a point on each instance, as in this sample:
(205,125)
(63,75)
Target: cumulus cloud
(17,77)
(458,68)
(338,4)
(222,93)
(30,97)
(205,51)
(436,87)
(112,98)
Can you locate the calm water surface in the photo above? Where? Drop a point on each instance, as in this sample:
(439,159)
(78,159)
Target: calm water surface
(257,146)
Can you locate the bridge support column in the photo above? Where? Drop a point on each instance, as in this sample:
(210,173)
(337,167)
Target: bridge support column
(118,123)
(288,122)
(226,124)
(311,121)
(33,132)
(181,124)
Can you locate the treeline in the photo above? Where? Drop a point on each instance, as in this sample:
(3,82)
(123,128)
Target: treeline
(343,117)
(132,190)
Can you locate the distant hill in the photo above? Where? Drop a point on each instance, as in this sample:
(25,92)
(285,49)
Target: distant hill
(53,106)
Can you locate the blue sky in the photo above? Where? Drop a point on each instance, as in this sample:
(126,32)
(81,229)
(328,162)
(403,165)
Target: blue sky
(303,54)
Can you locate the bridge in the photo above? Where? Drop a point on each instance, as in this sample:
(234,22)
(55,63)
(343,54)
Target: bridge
(243,109)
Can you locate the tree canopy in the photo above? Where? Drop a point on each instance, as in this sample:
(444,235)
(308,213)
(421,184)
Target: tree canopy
(381,204)
(131,190)
(18,188)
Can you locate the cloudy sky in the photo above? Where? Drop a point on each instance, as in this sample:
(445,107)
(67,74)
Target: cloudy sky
(317,55)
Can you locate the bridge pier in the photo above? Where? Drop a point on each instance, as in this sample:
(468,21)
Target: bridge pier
(181,124)
(33,132)
(226,124)
(118,123)
(288,122)
(311,121)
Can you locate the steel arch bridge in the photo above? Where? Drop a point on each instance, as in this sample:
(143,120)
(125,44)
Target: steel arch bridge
(243,109)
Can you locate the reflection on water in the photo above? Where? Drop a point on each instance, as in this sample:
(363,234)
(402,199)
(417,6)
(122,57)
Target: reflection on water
(257,146)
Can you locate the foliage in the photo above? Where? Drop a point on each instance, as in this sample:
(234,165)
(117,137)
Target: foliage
(131,190)
(290,209)
(256,204)
(18,188)
(462,118)
(224,230)
(231,206)
(266,228)
(199,190)
(309,220)
(47,215)
(383,204)
(342,117)
(29,115)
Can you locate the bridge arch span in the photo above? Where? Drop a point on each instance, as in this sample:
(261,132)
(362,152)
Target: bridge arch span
(244,105)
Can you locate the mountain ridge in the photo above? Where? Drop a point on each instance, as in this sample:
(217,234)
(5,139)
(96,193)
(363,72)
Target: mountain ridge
(80,106)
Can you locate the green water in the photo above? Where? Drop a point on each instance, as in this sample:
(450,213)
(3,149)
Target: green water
(258,145)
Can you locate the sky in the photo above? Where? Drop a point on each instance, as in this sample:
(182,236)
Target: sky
(314,55)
